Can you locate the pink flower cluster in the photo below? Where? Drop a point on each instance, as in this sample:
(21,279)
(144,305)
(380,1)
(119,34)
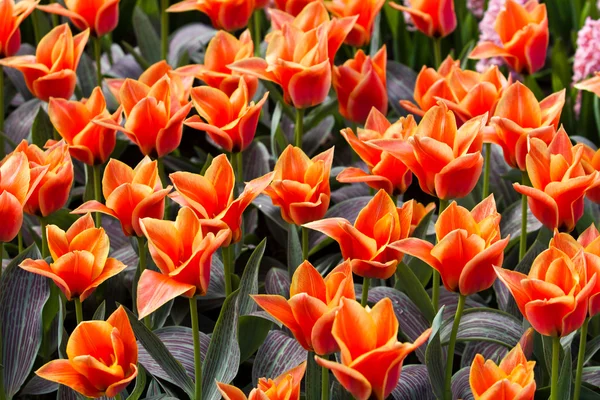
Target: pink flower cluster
(477,7)
(587,55)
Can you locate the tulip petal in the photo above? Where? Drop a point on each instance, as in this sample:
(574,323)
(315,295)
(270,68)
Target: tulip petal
(111,268)
(307,310)
(279,308)
(308,280)
(230,392)
(352,380)
(119,320)
(459,177)
(541,205)
(479,274)
(156,289)
(11,214)
(61,371)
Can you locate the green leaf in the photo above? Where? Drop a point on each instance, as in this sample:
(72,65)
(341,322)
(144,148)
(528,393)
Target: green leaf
(278,353)
(252,332)
(100,312)
(42,129)
(434,356)
(249,281)
(140,384)
(294,250)
(565,376)
(312,378)
(407,282)
(414,384)
(147,38)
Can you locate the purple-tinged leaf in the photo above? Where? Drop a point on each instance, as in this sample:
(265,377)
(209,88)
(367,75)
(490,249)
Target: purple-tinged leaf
(264,204)
(461,388)
(348,192)
(591,375)
(489,351)
(400,85)
(19,122)
(256,161)
(450,300)
(506,302)
(249,281)
(413,384)
(278,282)
(38,386)
(277,354)
(187,40)
(16,77)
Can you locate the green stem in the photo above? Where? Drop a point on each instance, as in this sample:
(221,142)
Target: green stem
(523,239)
(437,51)
(227,267)
(160,163)
(435,288)
(118,396)
(2,148)
(305,244)
(324,383)
(197,355)
(164,29)
(98,56)
(98,191)
(581,358)
(238,166)
(20,241)
(141,268)
(451,345)
(256,31)
(54,17)
(555,368)
(78,310)
(365,292)
(36,25)
(45,251)
(299,127)
(486,170)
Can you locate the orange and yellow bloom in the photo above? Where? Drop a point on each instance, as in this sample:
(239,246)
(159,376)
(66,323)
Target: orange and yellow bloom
(12,15)
(433,18)
(293,7)
(230,15)
(100,16)
(366,10)
(102,358)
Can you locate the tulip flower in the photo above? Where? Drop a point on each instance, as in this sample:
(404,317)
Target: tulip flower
(360,85)
(386,171)
(419,212)
(367,243)
(558,180)
(80,258)
(591,162)
(12,15)
(131,194)
(285,387)
(511,380)
(554,296)
(51,72)
(300,186)
(154,122)
(222,50)
(523,32)
(100,17)
(434,18)
(590,85)
(182,254)
(313,302)
(73,120)
(102,358)
(366,10)
(297,61)
(446,160)
(371,356)
(468,247)
(231,121)
(54,188)
(293,7)
(230,15)
(519,117)
(211,196)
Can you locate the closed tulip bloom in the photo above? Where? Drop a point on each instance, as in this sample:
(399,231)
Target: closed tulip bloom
(371,356)
(519,117)
(447,161)
(182,253)
(366,10)
(434,18)
(230,15)
(211,196)
(523,32)
(511,380)
(367,243)
(80,259)
(73,120)
(12,15)
(300,186)
(51,71)
(99,16)
(130,194)
(558,181)
(285,387)
(102,358)
(386,171)
(468,247)
(313,302)
(554,296)
(231,121)
(293,7)
(360,84)
(54,188)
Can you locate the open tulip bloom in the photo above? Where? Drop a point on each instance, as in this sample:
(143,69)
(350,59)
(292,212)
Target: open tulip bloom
(101,17)
(12,15)
(433,18)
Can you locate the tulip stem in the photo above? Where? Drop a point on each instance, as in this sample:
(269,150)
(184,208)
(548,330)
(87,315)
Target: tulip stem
(141,267)
(299,127)
(255,23)
(2,149)
(324,383)
(164,29)
(486,170)
(98,57)
(227,267)
(78,310)
(305,244)
(237,163)
(20,241)
(365,292)
(451,345)
(45,252)
(581,358)
(98,191)
(555,368)
(523,239)
(197,354)
(160,163)
(437,51)
(435,279)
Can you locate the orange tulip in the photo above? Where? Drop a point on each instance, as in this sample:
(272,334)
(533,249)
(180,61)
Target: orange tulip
(230,120)
(182,254)
(446,160)
(434,18)
(154,122)
(313,302)
(131,194)
(590,161)
(100,16)
(300,186)
(559,181)
(468,247)
(554,296)
(12,15)
(102,358)
(371,356)
(297,61)
(222,50)
(387,172)
(230,15)
(211,196)
(367,243)
(80,257)
(51,72)
(285,387)
(523,31)
(511,380)
(360,85)
(590,85)
(54,188)
(73,120)
(419,212)
(366,10)
(519,117)
(293,7)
